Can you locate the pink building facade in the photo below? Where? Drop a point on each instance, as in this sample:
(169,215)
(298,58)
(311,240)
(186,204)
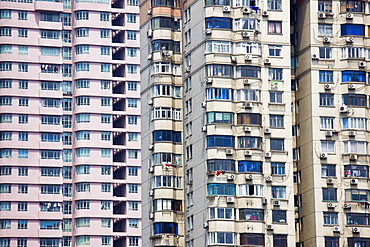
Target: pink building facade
(69,123)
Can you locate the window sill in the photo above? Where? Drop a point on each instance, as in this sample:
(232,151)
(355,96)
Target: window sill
(277,104)
(277,57)
(280,223)
(278,175)
(279,151)
(327,106)
(274,34)
(275,10)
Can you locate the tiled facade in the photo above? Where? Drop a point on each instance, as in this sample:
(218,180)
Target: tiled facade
(70,124)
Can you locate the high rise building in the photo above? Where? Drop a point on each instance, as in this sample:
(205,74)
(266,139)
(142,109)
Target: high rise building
(235,180)
(69,123)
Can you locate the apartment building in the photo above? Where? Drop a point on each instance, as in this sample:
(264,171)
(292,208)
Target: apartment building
(69,123)
(332,114)
(232,90)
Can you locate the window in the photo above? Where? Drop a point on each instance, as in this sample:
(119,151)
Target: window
(82,240)
(104,16)
(5,14)
(52,17)
(67,70)
(328,170)
(83,204)
(50,189)
(220,94)
(50,154)
(250,166)
(275,50)
(356,195)
(274,4)
(133,188)
(133,241)
(248,71)
(326,76)
(82,32)
(82,49)
(5,136)
(105,153)
(251,214)
(49,34)
(325,30)
(280,240)
(5,224)
(356,171)
(278,192)
(216,238)
(5,31)
(23,153)
(106,187)
(220,117)
(165,22)
(330,218)
(255,239)
(218,46)
(106,223)
(252,95)
(105,101)
(277,144)
(67,53)
(328,146)
(351,6)
(131,35)
(354,123)
(50,137)
(329,194)
(325,52)
(6,49)
(158,44)
(167,135)
(247,24)
(218,22)
(83,222)
(83,152)
(5,153)
(133,171)
(23,119)
(23,101)
(52,103)
(250,190)
(6,118)
(353,76)
(21,242)
(105,50)
(22,206)
(277,168)
(50,172)
(325,6)
(105,67)
(357,219)
(132,86)
(249,118)
(133,206)
(355,147)
(82,100)
(5,66)
(276,97)
(249,142)
(352,99)
(275,27)
(327,123)
(221,189)
(22,224)
(277,121)
(353,52)
(82,15)
(352,29)
(83,66)
(333,242)
(220,141)
(105,118)
(326,99)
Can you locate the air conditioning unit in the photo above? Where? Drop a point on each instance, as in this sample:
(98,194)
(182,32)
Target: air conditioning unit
(246,82)
(314,56)
(245,34)
(270,227)
(354,181)
(187,69)
(205,225)
(351,86)
(227,9)
(151,169)
(349,16)
(229,151)
(151,193)
(230,177)
(208,31)
(336,229)
(233,59)
(323,156)
(268,131)
(204,104)
(265,13)
(350,39)
(327,86)
(150,57)
(264,201)
(329,181)
(321,15)
(150,33)
(247,57)
(249,176)
(356,230)
(149,12)
(208,80)
(151,216)
(267,61)
(343,109)
(247,129)
(167,53)
(331,205)
(362,64)
(329,133)
(247,10)
(204,128)
(151,147)
(230,199)
(346,206)
(276,203)
(150,102)
(352,133)
(353,157)
(268,178)
(248,105)
(326,40)
(248,153)
(268,155)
